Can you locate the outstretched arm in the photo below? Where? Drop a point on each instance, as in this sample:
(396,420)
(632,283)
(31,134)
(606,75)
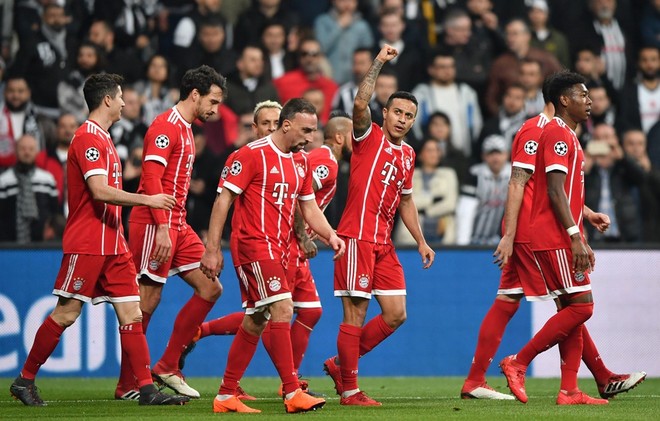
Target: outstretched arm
(361,112)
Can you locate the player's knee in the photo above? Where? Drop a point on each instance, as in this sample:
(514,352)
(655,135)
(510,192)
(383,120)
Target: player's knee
(66,319)
(212,292)
(309,316)
(394,319)
(582,311)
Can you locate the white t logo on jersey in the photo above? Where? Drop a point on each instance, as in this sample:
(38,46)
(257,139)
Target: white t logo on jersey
(281,192)
(389,171)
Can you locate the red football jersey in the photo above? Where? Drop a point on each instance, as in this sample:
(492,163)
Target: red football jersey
(324,171)
(268,182)
(523,155)
(170,142)
(380,173)
(92,227)
(559,150)
(233,240)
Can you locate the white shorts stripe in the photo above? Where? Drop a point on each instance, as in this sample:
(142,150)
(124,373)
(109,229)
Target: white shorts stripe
(69,273)
(261,284)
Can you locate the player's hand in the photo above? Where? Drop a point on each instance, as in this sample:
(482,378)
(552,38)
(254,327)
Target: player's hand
(503,251)
(337,245)
(428,255)
(600,221)
(580,255)
(161,201)
(212,263)
(592,257)
(308,247)
(163,247)
(387,53)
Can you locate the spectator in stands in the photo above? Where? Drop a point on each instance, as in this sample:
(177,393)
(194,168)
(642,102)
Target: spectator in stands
(506,68)
(479,216)
(650,25)
(156,94)
(345,96)
(209,48)
(439,129)
(129,131)
(131,173)
(309,75)
(122,61)
(435,192)
(28,196)
(486,25)
(531,78)
(408,64)
(187,27)
(3,68)
(589,64)
(248,84)
(252,22)
(510,116)
(545,37)
(416,28)
(203,185)
(70,90)
(53,157)
(458,100)
(130,20)
(19,117)
(640,99)
(647,194)
(609,182)
(473,54)
(341,31)
(317,98)
(386,85)
(274,40)
(46,58)
(602,112)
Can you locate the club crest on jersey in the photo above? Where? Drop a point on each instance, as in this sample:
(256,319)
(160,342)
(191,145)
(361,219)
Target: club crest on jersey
(531,147)
(301,170)
(78,284)
(579,276)
(162,141)
(561,148)
(92,154)
(322,172)
(363,281)
(274,283)
(236,168)
(408,163)
(154,264)
(224,172)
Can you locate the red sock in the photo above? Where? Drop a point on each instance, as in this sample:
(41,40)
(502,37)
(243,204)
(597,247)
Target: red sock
(282,355)
(240,354)
(302,327)
(348,350)
(490,337)
(134,345)
(373,333)
(570,350)
(555,330)
(225,325)
(187,321)
(265,339)
(45,342)
(592,358)
(146,318)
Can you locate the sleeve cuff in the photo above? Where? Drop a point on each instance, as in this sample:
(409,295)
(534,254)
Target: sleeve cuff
(156,158)
(96,171)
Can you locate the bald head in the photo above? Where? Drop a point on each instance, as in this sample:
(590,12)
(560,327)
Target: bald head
(337,125)
(27,148)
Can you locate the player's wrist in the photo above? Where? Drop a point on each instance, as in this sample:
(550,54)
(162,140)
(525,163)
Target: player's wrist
(573,231)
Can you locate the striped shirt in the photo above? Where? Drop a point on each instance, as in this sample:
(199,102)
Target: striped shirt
(490,191)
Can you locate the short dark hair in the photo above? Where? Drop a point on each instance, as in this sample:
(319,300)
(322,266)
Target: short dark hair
(201,78)
(561,82)
(402,95)
(100,85)
(293,107)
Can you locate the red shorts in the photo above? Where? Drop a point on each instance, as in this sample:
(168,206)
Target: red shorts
(262,283)
(556,268)
(368,269)
(304,291)
(521,275)
(95,279)
(187,251)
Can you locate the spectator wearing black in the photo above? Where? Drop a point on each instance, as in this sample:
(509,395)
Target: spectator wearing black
(531,78)
(129,18)
(589,64)
(650,25)
(129,131)
(439,129)
(122,61)
(274,40)
(28,196)
(602,112)
(155,89)
(486,25)
(249,84)
(640,99)
(70,95)
(45,60)
(252,22)
(546,37)
(610,181)
(510,116)
(345,96)
(386,85)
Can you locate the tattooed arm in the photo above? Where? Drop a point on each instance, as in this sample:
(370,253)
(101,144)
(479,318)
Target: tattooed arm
(361,112)
(514,198)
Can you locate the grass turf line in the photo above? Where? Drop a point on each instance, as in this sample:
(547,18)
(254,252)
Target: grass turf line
(403,398)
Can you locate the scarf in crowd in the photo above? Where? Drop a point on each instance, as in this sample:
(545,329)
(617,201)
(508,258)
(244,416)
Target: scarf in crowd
(26,206)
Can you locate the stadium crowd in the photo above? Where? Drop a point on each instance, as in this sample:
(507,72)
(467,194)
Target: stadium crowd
(475,66)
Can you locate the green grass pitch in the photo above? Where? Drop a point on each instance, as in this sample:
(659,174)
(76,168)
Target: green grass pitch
(403,398)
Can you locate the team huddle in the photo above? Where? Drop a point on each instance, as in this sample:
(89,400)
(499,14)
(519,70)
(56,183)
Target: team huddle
(278,193)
